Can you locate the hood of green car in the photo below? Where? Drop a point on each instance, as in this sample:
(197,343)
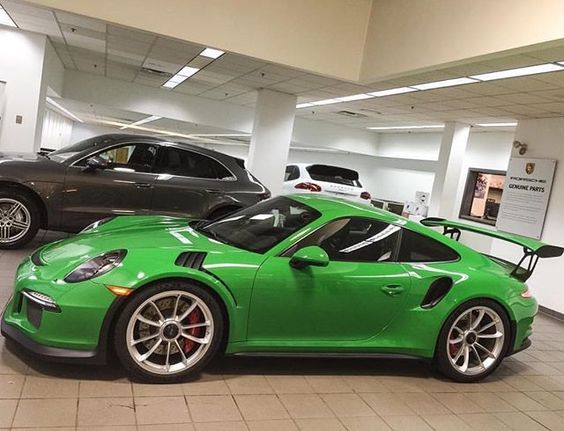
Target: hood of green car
(131,232)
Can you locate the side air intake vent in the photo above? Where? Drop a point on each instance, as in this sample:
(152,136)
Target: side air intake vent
(190,259)
(437,291)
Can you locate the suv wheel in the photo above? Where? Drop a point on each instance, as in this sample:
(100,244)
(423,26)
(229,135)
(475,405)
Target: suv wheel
(19,219)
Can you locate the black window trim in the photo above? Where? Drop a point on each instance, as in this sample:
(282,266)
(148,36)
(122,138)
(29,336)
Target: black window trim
(397,245)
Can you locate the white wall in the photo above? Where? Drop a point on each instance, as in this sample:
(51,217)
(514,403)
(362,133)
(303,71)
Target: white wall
(424,146)
(21,64)
(57,130)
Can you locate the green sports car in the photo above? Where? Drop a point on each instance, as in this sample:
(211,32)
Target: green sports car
(293,275)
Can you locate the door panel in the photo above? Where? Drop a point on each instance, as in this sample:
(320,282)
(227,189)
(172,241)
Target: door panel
(343,301)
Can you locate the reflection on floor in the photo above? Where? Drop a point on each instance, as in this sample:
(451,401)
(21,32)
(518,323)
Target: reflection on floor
(527,392)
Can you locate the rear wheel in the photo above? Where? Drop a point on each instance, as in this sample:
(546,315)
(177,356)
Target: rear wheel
(168,332)
(473,341)
(19,219)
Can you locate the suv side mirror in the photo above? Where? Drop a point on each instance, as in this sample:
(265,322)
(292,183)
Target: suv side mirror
(309,256)
(94,163)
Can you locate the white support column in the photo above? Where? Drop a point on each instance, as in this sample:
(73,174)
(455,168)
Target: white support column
(272,134)
(449,166)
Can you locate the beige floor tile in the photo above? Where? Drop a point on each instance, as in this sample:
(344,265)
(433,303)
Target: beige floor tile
(46,412)
(213,408)
(11,385)
(423,404)
(161,410)
(319,424)
(328,384)
(522,383)
(484,422)
(49,387)
(260,407)
(102,428)
(366,423)
(221,426)
(446,423)
(248,384)
(100,388)
(387,404)
(10,363)
(521,401)
(411,423)
(518,421)
(547,399)
(458,403)
(305,406)
(272,425)
(7,410)
(490,402)
(166,427)
(550,420)
(366,384)
(105,411)
(148,390)
(403,384)
(344,405)
(206,385)
(289,384)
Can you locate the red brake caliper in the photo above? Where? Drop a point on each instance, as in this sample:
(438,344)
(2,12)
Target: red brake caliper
(193,318)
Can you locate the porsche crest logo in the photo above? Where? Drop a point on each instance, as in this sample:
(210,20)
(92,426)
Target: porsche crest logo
(530,168)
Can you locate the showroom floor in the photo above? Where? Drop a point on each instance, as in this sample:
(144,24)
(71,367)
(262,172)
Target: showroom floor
(527,392)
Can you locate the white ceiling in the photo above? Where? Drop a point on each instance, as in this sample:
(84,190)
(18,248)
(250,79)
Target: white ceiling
(94,46)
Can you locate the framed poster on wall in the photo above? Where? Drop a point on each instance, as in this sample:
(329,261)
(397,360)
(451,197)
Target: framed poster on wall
(525,196)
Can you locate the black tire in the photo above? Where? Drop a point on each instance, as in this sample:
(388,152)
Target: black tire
(30,207)
(121,337)
(221,212)
(441,359)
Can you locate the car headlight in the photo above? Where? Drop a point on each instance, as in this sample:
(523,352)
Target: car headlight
(96,266)
(97,224)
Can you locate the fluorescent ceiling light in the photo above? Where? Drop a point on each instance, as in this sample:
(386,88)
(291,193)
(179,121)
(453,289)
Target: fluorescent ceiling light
(521,71)
(361,96)
(184,73)
(325,102)
(63,109)
(496,124)
(304,105)
(392,91)
(444,83)
(187,71)
(211,53)
(143,121)
(5,19)
(430,126)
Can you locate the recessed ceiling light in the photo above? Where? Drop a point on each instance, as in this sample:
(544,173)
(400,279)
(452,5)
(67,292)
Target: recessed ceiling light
(513,124)
(63,109)
(325,102)
(211,53)
(304,105)
(5,19)
(520,71)
(392,91)
(361,96)
(430,126)
(187,71)
(142,121)
(444,83)
(184,73)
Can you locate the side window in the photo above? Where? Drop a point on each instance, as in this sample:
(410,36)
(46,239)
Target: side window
(128,158)
(292,173)
(420,248)
(354,240)
(175,161)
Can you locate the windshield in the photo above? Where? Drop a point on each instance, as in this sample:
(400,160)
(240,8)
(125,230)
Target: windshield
(71,150)
(262,226)
(334,174)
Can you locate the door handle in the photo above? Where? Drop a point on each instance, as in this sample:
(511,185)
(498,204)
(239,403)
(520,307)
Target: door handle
(392,289)
(143,185)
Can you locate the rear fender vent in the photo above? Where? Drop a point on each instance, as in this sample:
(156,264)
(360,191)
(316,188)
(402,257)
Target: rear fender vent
(437,291)
(191,259)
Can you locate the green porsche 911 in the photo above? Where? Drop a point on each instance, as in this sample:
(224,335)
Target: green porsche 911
(293,275)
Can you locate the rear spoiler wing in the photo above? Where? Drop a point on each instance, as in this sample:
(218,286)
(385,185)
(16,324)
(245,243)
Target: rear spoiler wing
(532,248)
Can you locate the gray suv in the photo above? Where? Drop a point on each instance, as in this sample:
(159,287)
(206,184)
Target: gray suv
(118,174)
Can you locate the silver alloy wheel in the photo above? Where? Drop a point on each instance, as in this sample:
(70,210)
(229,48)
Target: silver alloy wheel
(15,220)
(170,332)
(475,340)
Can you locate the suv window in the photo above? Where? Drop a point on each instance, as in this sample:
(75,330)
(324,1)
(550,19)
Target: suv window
(175,161)
(420,248)
(354,240)
(292,173)
(129,157)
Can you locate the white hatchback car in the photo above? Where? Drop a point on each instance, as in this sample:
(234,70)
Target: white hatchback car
(329,180)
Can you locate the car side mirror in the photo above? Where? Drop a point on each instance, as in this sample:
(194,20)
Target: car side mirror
(309,256)
(94,163)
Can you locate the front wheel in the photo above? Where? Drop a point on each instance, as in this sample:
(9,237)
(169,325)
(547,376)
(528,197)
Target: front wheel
(19,219)
(473,341)
(169,331)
